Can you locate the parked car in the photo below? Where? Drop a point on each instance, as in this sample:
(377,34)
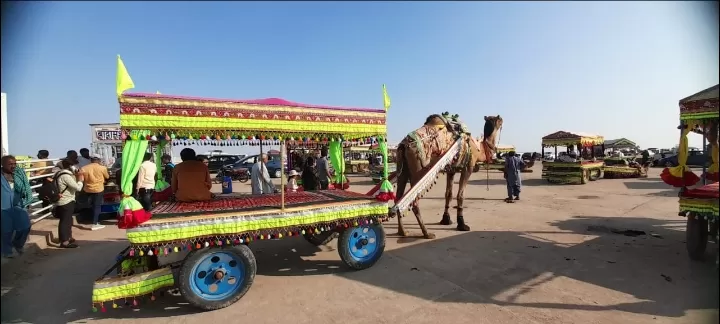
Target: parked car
(273,164)
(549,157)
(216,162)
(695,158)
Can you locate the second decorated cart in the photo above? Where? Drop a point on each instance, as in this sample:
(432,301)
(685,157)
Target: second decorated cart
(201,247)
(700,114)
(580,163)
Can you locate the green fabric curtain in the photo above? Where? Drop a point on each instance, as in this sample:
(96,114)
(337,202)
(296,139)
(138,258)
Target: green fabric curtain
(132,157)
(386,186)
(160,183)
(336,159)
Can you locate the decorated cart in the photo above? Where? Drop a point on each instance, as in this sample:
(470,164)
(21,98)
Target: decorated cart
(617,167)
(698,114)
(577,170)
(201,248)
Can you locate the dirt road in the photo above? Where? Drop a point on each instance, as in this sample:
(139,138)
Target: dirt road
(559,256)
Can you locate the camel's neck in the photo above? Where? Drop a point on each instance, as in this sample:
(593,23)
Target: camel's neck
(479,151)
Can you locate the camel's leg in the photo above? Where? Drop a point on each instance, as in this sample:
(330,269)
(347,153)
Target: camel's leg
(416,211)
(401,184)
(464,177)
(446,220)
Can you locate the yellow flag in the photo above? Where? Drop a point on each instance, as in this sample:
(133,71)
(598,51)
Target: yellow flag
(124,81)
(157,92)
(386,98)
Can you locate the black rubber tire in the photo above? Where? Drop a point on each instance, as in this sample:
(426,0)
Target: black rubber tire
(276,173)
(243,178)
(696,237)
(241,251)
(321,239)
(345,256)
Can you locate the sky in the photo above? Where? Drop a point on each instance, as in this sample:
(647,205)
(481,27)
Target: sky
(616,69)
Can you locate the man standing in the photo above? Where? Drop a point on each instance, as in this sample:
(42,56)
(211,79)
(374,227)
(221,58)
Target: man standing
(323,169)
(95,176)
(146,181)
(84,158)
(260,178)
(513,165)
(16,197)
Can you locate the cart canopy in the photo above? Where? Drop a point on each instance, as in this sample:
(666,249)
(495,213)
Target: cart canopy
(702,105)
(273,118)
(567,138)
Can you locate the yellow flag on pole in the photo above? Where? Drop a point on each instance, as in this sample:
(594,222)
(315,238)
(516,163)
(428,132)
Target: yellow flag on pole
(386,99)
(124,81)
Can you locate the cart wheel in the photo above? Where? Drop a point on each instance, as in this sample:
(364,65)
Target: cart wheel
(360,247)
(320,239)
(585,177)
(696,237)
(217,277)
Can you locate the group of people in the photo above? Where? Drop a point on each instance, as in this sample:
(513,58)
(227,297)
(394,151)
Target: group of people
(77,176)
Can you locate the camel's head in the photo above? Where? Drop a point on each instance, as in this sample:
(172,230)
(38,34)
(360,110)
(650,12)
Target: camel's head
(493,124)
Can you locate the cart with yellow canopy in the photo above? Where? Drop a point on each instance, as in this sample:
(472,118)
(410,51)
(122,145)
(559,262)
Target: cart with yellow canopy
(579,164)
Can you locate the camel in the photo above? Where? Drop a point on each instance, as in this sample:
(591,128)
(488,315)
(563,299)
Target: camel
(422,148)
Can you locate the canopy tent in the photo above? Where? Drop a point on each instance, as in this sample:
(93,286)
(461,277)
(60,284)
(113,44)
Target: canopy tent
(702,105)
(620,143)
(566,138)
(220,119)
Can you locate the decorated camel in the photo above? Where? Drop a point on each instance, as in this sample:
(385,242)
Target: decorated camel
(420,152)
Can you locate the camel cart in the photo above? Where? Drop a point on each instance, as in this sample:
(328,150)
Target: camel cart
(622,168)
(585,168)
(201,248)
(699,114)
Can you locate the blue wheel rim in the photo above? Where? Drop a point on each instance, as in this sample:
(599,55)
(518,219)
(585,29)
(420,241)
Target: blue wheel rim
(363,243)
(204,280)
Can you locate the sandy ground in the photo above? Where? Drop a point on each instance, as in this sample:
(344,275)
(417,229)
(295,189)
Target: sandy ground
(551,258)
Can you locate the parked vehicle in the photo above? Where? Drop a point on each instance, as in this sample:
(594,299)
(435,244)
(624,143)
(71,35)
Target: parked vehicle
(695,158)
(549,157)
(273,164)
(216,162)
(239,174)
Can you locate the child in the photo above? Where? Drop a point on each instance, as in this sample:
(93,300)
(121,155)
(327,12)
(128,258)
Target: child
(292,181)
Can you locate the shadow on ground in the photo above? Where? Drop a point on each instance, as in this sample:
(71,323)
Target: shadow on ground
(492,267)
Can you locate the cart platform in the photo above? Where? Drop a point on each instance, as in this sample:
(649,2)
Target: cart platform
(239,217)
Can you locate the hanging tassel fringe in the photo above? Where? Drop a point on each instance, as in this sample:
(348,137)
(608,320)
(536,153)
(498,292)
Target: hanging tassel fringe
(429,178)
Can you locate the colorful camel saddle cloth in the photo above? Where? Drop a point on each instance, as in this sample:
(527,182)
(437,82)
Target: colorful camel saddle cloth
(430,141)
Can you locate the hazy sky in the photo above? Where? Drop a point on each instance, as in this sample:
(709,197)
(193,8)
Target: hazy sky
(615,69)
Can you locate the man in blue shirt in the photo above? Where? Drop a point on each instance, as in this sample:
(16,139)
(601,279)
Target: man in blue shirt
(16,197)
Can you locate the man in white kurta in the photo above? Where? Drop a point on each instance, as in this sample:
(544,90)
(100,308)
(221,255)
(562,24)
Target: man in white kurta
(260,178)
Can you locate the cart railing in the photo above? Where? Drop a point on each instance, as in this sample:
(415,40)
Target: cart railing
(37,211)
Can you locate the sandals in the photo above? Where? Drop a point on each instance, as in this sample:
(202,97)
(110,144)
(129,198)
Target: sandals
(70,245)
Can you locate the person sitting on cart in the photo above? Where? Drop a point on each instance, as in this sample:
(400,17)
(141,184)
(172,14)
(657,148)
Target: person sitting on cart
(260,177)
(309,177)
(168,167)
(292,181)
(191,178)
